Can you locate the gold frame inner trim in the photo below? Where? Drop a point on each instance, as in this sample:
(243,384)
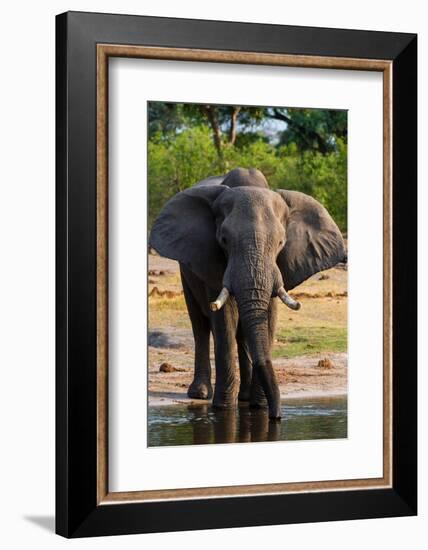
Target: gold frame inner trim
(104,51)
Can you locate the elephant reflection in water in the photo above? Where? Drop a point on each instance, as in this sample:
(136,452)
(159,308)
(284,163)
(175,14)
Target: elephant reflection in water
(243,425)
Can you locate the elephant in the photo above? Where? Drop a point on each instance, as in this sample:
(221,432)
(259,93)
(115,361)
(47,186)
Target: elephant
(241,246)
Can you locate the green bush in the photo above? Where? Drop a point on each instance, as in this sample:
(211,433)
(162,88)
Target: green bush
(178,161)
(174,165)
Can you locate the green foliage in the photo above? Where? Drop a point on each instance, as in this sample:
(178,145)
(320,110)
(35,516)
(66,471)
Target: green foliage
(313,129)
(182,150)
(327,175)
(297,341)
(174,165)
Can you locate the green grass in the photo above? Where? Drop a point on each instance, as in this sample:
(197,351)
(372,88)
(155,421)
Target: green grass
(296,341)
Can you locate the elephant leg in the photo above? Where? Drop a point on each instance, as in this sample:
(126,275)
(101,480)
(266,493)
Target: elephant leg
(257,395)
(245,366)
(224,325)
(201,387)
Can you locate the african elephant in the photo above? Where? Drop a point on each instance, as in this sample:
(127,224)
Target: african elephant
(240,246)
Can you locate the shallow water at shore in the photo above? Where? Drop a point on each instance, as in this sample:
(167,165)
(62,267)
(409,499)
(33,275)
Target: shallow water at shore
(302,419)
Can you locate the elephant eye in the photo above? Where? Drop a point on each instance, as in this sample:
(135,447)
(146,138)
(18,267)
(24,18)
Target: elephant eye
(224,241)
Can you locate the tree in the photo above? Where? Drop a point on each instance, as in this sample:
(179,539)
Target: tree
(312,129)
(301,149)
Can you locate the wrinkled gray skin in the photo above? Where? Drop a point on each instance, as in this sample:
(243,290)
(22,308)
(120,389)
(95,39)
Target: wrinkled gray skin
(234,232)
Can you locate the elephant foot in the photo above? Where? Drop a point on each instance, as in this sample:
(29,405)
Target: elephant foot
(257,395)
(223,400)
(258,398)
(244,393)
(262,404)
(275,413)
(200,390)
(223,406)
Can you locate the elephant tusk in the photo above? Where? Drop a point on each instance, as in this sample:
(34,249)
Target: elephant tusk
(221,300)
(287,299)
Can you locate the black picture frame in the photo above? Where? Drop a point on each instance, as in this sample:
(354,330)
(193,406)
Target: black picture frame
(77,511)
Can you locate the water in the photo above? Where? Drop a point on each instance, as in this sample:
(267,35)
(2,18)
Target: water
(302,419)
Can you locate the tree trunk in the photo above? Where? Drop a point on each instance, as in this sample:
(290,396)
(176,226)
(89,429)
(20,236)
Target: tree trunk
(210,112)
(233,121)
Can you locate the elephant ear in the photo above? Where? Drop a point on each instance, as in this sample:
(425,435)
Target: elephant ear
(313,240)
(185,231)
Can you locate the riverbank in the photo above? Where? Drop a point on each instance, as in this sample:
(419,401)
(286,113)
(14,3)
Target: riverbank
(300,377)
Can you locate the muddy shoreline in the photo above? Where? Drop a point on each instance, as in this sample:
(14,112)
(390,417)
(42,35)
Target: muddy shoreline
(300,377)
(178,399)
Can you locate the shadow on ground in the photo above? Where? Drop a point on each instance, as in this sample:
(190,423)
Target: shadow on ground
(45,522)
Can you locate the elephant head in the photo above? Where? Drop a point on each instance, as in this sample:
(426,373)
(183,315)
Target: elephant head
(244,240)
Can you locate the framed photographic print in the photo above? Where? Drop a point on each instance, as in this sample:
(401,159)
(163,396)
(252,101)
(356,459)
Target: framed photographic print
(236,274)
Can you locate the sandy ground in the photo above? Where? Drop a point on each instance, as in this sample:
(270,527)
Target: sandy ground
(324,302)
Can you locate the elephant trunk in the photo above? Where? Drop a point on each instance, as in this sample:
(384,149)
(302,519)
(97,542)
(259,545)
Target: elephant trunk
(253,308)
